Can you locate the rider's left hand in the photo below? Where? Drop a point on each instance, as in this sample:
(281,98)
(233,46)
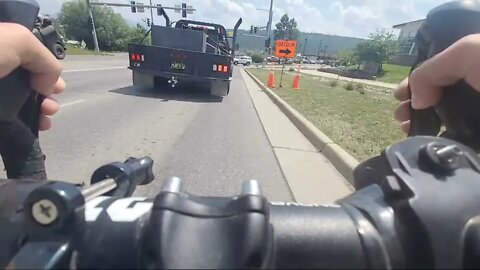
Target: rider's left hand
(19,47)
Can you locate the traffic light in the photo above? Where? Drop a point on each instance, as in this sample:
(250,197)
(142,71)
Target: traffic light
(255,29)
(251,29)
(184,12)
(148,22)
(134,9)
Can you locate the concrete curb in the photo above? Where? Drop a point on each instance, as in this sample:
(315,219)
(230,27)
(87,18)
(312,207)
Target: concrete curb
(342,160)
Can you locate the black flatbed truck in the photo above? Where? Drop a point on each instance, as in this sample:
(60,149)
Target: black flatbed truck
(193,53)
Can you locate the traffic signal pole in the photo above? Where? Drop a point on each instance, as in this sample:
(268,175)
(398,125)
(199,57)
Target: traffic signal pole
(269,29)
(94,31)
(151,13)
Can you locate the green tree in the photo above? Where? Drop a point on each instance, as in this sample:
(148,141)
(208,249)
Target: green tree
(286,28)
(112,31)
(380,47)
(347,58)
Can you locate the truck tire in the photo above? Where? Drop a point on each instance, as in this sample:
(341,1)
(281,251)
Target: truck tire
(142,80)
(58,51)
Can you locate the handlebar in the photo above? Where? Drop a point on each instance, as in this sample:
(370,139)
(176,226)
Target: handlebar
(421,211)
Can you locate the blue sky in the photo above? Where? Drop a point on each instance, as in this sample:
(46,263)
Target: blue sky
(355,18)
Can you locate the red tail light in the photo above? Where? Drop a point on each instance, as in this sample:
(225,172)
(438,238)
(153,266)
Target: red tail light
(136,57)
(220,68)
(225,69)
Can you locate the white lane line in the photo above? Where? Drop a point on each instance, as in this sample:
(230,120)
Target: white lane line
(92,69)
(72,103)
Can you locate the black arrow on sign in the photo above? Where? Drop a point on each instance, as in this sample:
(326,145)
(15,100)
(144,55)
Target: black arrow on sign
(287,51)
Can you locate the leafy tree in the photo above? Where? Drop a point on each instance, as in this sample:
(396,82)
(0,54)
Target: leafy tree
(286,29)
(113,32)
(380,48)
(347,58)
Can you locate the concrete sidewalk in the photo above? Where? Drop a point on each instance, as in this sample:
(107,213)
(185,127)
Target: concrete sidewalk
(310,175)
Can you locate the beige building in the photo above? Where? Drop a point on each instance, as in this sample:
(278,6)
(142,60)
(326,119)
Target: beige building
(406,41)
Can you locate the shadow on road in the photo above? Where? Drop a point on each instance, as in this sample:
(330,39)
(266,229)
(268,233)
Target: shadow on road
(166,94)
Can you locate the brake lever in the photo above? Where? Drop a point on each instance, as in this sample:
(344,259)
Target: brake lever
(458,108)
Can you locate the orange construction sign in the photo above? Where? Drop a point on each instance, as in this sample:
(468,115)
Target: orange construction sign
(285,48)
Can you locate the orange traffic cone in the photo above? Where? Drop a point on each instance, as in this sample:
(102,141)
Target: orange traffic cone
(296,80)
(271,79)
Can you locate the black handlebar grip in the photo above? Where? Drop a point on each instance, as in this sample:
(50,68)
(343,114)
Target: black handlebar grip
(458,108)
(19,105)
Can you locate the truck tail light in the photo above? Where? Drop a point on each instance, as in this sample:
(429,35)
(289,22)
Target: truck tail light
(137,57)
(220,68)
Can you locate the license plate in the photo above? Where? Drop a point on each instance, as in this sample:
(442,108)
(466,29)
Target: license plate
(178,66)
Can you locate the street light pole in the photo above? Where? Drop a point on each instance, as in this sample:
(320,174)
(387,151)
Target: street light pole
(325,52)
(305,47)
(319,48)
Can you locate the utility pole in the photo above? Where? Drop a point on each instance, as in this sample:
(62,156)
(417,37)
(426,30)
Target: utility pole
(319,48)
(151,13)
(305,47)
(325,51)
(94,31)
(269,29)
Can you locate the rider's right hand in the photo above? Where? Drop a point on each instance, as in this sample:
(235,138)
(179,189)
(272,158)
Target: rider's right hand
(19,47)
(459,61)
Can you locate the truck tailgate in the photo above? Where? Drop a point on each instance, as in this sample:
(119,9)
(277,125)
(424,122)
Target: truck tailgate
(161,61)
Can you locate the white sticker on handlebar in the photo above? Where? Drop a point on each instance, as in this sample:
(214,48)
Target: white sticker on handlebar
(91,210)
(119,211)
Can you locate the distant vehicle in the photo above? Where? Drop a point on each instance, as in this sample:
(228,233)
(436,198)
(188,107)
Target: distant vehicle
(45,32)
(193,53)
(243,60)
(319,61)
(307,61)
(273,59)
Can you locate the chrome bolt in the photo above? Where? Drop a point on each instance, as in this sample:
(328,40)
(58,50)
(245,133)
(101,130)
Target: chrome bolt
(44,212)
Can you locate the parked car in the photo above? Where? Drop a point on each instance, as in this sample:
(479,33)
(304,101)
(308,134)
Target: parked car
(243,60)
(273,59)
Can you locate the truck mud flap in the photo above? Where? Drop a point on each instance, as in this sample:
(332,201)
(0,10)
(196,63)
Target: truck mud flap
(219,88)
(142,80)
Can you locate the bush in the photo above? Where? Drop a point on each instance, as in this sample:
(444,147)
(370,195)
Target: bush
(349,86)
(360,87)
(333,83)
(257,58)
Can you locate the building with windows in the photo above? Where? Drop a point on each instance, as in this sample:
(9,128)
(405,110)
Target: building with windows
(406,41)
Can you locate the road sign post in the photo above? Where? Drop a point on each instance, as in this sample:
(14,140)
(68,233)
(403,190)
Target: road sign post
(285,49)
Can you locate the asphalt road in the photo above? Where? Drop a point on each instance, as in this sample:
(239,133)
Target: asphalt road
(212,145)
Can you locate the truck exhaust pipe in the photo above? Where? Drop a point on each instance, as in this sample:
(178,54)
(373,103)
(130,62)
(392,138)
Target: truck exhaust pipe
(234,39)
